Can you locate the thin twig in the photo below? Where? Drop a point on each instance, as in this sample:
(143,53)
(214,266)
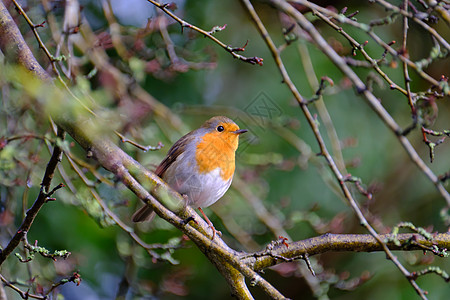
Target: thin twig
(366,28)
(209,34)
(321,107)
(139,146)
(407,14)
(23,295)
(301,20)
(42,198)
(361,88)
(405,66)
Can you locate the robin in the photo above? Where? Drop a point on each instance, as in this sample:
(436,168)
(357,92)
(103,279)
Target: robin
(200,165)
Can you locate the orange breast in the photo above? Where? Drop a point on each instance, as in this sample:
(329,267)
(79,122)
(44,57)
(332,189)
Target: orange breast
(217,150)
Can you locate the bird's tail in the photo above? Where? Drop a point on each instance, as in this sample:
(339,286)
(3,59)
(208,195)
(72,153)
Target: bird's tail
(145,213)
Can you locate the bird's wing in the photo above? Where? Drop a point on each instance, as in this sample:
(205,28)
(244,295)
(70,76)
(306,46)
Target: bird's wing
(177,148)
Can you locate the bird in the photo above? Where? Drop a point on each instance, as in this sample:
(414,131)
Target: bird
(200,166)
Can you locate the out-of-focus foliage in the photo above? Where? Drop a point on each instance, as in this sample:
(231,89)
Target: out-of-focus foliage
(136,41)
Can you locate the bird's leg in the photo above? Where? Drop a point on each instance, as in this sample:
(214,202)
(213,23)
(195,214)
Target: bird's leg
(210,224)
(191,218)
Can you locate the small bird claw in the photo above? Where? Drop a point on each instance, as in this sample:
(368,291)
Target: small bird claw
(188,219)
(219,233)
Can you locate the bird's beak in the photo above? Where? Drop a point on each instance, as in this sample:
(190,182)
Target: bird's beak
(240,131)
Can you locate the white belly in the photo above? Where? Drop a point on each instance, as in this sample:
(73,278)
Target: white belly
(202,190)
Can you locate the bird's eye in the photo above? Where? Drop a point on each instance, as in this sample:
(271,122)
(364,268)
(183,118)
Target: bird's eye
(220,128)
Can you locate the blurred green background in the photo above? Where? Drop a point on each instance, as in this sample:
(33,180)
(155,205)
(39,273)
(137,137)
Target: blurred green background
(298,188)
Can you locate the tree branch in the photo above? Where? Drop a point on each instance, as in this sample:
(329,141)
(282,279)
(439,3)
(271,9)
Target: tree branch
(209,34)
(42,198)
(285,7)
(361,88)
(234,266)
(14,47)
(344,243)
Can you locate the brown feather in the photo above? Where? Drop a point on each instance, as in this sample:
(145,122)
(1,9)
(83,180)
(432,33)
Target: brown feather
(172,155)
(146,213)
